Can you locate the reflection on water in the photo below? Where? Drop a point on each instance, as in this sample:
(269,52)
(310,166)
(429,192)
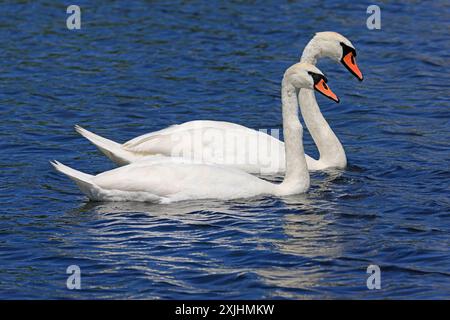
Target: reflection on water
(135,70)
(183,236)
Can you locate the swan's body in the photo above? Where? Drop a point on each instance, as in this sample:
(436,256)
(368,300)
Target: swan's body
(234,145)
(169,181)
(223,143)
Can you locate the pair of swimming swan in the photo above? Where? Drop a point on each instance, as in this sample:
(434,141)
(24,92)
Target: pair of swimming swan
(151,174)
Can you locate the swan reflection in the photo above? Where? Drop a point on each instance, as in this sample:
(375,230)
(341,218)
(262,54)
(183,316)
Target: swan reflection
(162,241)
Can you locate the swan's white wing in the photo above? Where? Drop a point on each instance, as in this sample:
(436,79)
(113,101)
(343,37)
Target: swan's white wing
(174,182)
(179,129)
(214,142)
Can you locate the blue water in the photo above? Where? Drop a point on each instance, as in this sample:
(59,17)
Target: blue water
(141,66)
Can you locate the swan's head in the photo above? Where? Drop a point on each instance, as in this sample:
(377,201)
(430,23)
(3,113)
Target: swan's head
(335,46)
(304,75)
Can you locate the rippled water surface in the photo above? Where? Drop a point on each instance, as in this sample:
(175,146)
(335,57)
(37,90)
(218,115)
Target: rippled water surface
(140,66)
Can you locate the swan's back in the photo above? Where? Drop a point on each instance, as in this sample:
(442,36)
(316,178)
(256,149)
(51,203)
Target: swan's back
(216,142)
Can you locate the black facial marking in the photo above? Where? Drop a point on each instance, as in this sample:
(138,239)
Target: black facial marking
(317,77)
(346,49)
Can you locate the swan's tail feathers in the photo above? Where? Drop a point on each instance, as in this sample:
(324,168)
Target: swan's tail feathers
(109,148)
(83,180)
(71,173)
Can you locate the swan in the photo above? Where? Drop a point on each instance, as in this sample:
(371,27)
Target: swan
(168,182)
(235,145)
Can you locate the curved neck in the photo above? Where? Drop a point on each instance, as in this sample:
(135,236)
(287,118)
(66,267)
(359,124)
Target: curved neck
(330,148)
(312,52)
(296,179)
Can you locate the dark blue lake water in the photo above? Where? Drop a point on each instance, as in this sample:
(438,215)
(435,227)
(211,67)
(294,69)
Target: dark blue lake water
(136,67)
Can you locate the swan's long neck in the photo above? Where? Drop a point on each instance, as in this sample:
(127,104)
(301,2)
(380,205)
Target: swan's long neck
(312,52)
(330,148)
(296,179)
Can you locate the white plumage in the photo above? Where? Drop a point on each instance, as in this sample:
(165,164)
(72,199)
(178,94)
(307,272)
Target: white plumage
(235,145)
(173,180)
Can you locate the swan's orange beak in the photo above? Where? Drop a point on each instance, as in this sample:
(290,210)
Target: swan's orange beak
(323,88)
(349,61)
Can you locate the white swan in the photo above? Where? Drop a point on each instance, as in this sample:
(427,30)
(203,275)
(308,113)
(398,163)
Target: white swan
(231,144)
(168,182)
